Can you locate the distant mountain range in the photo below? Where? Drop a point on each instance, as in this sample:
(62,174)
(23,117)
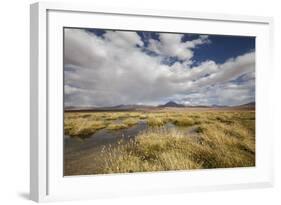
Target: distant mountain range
(247,105)
(170,104)
(174,104)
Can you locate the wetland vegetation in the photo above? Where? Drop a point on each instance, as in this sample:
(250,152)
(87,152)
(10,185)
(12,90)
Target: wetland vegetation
(162,140)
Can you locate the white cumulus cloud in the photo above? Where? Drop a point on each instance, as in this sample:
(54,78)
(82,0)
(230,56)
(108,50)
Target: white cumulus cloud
(113,69)
(172,45)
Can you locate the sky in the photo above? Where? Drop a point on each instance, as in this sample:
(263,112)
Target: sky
(112,67)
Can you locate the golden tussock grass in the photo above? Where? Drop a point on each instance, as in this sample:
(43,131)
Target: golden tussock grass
(80,127)
(219,144)
(116,126)
(220,140)
(130,121)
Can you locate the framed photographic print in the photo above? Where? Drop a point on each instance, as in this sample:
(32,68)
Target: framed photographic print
(127,102)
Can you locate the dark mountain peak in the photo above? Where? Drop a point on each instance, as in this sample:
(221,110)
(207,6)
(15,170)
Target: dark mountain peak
(171,104)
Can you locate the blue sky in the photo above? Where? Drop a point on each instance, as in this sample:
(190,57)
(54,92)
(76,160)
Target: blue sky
(108,67)
(222,47)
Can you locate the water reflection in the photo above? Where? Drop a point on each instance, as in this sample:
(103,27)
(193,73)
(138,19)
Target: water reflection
(103,137)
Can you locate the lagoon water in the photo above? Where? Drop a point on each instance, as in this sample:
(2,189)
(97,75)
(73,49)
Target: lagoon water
(77,149)
(102,137)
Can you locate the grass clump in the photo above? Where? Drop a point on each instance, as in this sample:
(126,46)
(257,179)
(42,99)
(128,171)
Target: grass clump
(82,128)
(142,116)
(155,121)
(134,114)
(183,121)
(130,121)
(116,126)
(151,151)
(112,116)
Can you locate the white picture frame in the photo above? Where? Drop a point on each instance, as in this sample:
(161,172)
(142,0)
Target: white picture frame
(47,182)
